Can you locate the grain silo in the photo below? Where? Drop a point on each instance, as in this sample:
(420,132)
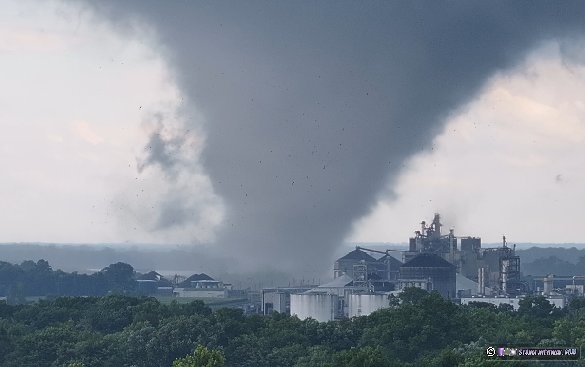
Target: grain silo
(319,306)
(365,303)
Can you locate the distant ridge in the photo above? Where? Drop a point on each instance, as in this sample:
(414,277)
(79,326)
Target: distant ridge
(204,258)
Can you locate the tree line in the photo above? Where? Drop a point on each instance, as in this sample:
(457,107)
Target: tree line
(39,279)
(420,329)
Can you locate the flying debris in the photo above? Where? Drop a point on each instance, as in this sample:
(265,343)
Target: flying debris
(423,62)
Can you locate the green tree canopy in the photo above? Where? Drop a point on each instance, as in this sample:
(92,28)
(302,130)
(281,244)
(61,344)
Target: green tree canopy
(201,357)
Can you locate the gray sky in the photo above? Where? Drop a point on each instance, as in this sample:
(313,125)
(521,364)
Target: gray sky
(279,130)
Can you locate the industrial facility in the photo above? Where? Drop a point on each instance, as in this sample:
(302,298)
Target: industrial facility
(195,286)
(494,271)
(458,268)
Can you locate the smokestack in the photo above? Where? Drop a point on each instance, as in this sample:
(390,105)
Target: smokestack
(481,281)
(548,284)
(437,224)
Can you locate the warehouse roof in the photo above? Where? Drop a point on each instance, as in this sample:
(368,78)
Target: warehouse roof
(357,255)
(338,282)
(426,260)
(195,278)
(394,262)
(152,275)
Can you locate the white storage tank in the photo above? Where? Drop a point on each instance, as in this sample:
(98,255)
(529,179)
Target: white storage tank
(365,304)
(319,306)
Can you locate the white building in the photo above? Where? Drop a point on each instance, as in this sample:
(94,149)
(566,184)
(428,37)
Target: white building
(199,286)
(559,302)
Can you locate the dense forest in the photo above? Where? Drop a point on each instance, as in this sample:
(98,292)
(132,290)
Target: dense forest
(555,265)
(420,329)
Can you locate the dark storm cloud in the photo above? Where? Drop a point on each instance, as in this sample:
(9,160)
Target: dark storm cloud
(175,210)
(161,151)
(312,106)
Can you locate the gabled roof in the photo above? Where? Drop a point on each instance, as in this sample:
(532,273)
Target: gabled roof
(152,275)
(194,278)
(357,255)
(426,260)
(394,262)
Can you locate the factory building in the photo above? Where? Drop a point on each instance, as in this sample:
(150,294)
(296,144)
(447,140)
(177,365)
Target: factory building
(483,271)
(430,240)
(499,268)
(201,286)
(430,272)
(455,267)
(195,286)
(345,265)
(495,270)
(554,285)
(386,268)
(392,267)
(469,257)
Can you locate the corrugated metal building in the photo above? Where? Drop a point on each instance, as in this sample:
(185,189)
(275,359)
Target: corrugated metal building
(430,269)
(345,265)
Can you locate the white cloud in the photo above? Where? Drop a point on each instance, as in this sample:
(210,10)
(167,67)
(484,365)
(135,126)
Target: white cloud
(84,131)
(73,98)
(33,41)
